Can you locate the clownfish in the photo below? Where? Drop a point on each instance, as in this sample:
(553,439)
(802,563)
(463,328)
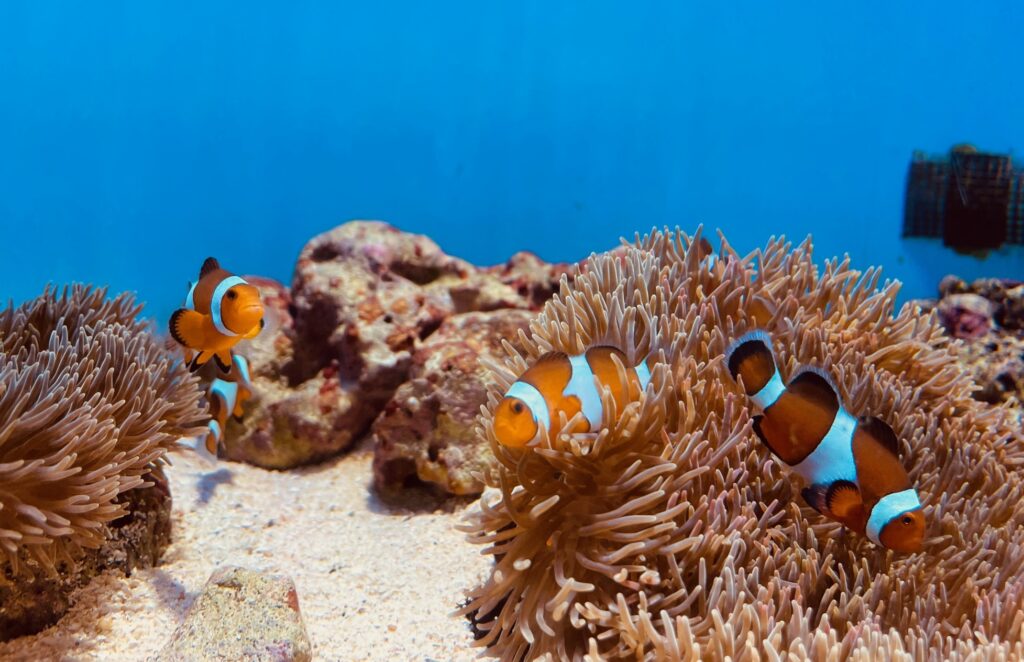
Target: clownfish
(561,383)
(226,397)
(851,465)
(220,309)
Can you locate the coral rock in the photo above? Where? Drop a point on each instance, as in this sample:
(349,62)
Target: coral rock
(285,425)
(966,315)
(992,348)
(242,614)
(338,346)
(426,432)
(134,540)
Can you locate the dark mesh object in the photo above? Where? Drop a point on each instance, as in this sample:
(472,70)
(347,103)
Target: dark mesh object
(977,200)
(926,197)
(1015,222)
(972,200)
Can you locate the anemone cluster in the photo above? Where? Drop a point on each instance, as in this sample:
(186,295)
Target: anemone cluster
(90,402)
(672,533)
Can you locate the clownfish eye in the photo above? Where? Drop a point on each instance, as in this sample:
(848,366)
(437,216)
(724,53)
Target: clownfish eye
(517,407)
(907,519)
(231,294)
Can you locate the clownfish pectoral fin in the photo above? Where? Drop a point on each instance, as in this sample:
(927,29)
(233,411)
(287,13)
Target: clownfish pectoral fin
(209,265)
(815,496)
(764,439)
(186,327)
(843,499)
(223,359)
(882,432)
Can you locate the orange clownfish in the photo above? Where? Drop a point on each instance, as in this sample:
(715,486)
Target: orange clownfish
(851,465)
(226,397)
(561,383)
(220,310)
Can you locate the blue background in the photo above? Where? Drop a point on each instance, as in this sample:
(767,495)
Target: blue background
(137,138)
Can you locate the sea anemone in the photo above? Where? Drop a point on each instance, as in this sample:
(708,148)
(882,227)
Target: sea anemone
(672,533)
(90,403)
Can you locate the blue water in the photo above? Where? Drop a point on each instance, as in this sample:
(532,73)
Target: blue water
(138,138)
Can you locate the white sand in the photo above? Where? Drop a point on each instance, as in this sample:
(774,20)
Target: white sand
(374,582)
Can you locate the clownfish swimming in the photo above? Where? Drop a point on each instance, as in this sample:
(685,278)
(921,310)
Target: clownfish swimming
(561,383)
(220,310)
(851,465)
(226,397)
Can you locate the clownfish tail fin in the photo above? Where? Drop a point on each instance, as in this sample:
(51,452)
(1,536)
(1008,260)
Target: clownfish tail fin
(751,357)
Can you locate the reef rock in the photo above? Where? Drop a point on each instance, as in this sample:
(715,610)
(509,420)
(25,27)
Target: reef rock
(365,297)
(242,614)
(288,424)
(988,316)
(135,540)
(426,432)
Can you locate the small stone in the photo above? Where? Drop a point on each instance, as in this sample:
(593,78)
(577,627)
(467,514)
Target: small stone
(242,614)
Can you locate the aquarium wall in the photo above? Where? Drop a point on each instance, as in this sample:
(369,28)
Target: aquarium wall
(139,139)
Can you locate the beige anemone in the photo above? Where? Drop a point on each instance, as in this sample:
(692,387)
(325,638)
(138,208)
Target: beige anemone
(90,402)
(672,533)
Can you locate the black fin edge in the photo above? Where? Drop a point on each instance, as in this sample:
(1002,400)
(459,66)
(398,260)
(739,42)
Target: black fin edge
(225,368)
(172,326)
(815,496)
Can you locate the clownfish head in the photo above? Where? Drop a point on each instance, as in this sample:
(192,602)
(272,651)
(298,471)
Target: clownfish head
(905,532)
(515,424)
(241,309)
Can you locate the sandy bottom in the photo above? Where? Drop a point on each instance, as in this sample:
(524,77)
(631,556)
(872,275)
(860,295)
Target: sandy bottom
(375,582)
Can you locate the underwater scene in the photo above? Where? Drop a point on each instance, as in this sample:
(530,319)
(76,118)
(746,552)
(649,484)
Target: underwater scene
(511,331)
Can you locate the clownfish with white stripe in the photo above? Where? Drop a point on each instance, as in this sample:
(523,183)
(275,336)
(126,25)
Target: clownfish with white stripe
(226,397)
(851,465)
(220,310)
(558,383)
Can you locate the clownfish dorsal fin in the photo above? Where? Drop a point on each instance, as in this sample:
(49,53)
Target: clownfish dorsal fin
(764,439)
(815,496)
(882,433)
(209,266)
(842,499)
(816,383)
